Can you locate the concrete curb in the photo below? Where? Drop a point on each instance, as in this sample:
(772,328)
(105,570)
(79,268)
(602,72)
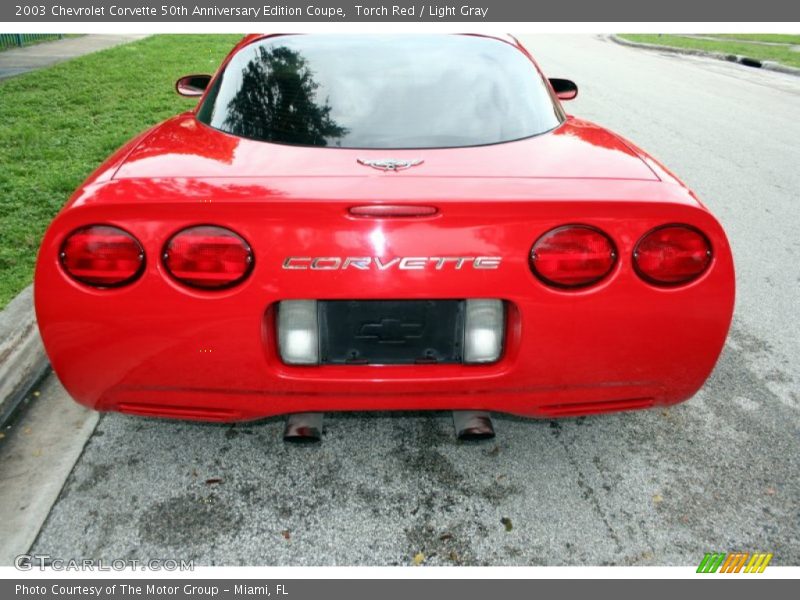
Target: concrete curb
(23,362)
(767,65)
(36,461)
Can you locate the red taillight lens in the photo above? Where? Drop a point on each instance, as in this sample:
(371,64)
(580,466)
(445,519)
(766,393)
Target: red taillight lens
(102,256)
(573,256)
(208,257)
(672,255)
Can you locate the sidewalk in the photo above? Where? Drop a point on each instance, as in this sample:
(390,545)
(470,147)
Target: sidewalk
(28,58)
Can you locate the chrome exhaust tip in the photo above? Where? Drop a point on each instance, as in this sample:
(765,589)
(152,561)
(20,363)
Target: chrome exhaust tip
(472,425)
(303,428)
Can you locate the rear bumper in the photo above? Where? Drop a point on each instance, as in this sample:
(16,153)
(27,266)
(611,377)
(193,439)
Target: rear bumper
(155,348)
(563,357)
(232,405)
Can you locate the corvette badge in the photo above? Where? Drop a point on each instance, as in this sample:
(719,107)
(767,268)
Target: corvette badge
(390,164)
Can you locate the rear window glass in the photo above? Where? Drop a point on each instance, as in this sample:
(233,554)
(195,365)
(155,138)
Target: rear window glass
(380,92)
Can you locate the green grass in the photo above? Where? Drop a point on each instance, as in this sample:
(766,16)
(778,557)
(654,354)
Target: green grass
(781,54)
(779,38)
(58,124)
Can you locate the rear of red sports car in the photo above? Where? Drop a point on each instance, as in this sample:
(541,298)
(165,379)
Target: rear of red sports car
(382,223)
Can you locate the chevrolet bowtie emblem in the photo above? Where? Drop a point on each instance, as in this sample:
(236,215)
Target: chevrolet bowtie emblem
(390,164)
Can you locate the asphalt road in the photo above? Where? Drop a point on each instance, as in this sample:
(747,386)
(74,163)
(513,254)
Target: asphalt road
(658,487)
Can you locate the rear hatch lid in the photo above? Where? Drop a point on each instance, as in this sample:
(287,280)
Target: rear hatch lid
(184,148)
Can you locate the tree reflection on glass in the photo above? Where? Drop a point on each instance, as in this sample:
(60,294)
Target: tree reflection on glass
(276,102)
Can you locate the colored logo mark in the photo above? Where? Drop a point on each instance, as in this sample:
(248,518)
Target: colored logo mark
(734,562)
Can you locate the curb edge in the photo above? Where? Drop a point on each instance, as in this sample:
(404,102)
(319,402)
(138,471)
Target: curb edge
(767,65)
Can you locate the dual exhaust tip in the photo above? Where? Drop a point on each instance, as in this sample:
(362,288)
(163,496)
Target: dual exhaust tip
(470,425)
(303,428)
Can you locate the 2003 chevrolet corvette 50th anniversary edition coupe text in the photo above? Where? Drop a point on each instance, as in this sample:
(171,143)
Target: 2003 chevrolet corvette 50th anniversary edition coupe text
(382,223)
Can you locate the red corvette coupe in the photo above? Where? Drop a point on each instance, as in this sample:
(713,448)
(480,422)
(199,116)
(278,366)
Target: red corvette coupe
(382,223)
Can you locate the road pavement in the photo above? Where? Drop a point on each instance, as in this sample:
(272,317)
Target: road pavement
(719,472)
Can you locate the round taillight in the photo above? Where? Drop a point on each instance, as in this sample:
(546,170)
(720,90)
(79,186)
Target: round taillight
(208,257)
(672,255)
(573,256)
(102,256)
